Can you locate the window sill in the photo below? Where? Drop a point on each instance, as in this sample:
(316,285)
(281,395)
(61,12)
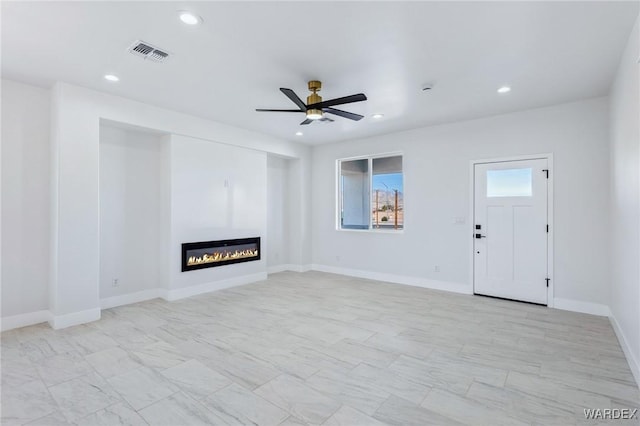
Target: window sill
(373,231)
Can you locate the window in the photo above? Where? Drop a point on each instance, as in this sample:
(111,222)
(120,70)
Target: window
(509,183)
(370,193)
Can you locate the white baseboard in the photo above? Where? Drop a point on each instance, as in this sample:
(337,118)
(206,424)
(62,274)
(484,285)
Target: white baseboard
(280,268)
(633,362)
(181,293)
(75,318)
(24,320)
(397,279)
(127,299)
(288,267)
(304,268)
(580,306)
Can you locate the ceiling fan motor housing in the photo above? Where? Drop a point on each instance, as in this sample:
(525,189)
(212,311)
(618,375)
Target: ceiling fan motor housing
(314,98)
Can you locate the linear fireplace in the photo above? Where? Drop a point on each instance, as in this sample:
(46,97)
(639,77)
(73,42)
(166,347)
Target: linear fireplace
(207,254)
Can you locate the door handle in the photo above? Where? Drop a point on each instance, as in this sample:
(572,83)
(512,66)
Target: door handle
(478,236)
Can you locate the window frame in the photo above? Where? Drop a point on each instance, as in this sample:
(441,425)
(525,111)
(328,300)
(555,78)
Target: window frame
(339,193)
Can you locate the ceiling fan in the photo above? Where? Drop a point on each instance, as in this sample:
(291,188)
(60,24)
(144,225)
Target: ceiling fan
(315,107)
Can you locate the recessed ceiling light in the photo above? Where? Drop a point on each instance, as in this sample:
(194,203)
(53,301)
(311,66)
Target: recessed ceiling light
(504,89)
(299,133)
(111,77)
(189,18)
(377,116)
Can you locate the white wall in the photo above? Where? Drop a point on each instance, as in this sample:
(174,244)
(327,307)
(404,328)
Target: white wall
(625,201)
(51,159)
(437,190)
(25,198)
(130,184)
(277,247)
(76,114)
(300,218)
(218,192)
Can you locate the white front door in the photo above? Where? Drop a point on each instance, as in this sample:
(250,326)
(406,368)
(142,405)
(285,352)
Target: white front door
(510,232)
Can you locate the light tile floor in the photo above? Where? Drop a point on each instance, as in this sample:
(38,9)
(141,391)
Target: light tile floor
(317,348)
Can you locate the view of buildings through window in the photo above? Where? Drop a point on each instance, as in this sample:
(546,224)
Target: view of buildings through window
(387,204)
(371,193)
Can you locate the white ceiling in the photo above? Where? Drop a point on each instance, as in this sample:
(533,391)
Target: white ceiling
(549,52)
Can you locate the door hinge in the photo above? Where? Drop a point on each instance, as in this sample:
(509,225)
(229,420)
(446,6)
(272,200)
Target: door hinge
(547,280)
(547,228)
(547,172)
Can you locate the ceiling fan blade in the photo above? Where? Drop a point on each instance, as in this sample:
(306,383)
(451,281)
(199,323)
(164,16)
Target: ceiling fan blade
(345,114)
(307,121)
(278,110)
(339,101)
(294,98)
(331,120)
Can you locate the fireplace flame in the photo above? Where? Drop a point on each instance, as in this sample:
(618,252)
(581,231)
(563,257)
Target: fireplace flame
(221,256)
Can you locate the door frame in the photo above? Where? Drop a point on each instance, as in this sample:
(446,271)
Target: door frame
(472,215)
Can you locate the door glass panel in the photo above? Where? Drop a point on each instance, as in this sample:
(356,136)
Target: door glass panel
(509,183)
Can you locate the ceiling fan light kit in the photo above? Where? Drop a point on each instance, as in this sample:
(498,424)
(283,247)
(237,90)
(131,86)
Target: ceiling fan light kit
(315,108)
(314,86)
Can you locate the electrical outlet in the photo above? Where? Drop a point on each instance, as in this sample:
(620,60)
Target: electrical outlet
(115,282)
(337,258)
(436,268)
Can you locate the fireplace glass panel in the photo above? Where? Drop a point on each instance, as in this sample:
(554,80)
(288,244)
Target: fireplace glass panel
(217,253)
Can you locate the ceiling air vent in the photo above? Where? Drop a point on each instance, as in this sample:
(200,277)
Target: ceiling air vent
(148,51)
